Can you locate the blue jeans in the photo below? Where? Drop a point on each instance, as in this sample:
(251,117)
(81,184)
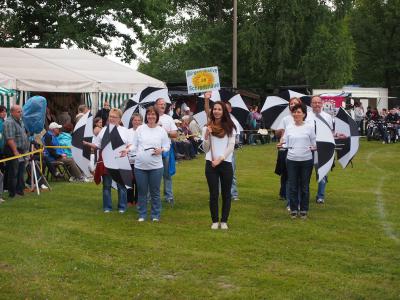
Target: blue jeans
(321,188)
(299,174)
(234,191)
(167,180)
(107,202)
(149,180)
(16,171)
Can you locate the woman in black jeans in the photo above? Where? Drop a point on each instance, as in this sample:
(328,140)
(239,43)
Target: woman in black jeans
(219,143)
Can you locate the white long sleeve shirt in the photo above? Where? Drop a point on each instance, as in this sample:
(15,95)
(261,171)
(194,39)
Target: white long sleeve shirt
(298,140)
(145,141)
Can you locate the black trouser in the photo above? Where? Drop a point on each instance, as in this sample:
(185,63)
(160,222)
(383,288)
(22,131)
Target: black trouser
(222,173)
(132,194)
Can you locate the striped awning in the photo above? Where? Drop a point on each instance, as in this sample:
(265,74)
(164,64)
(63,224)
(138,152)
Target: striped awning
(22,97)
(116,100)
(6,96)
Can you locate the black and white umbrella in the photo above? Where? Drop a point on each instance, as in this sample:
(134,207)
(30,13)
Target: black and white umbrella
(239,112)
(275,108)
(83,131)
(141,101)
(325,148)
(348,145)
(112,144)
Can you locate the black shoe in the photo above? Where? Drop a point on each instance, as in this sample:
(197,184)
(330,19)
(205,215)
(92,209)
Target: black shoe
(293,215)
(303,215)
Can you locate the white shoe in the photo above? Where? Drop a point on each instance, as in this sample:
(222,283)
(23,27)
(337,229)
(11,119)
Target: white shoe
(214,226)
(107,211)
(155,220)
(71,179)
(121,211)
(2,200)
(44,187)
(141,220)
(224,226)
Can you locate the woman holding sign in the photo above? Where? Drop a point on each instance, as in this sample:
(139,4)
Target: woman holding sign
(219,143)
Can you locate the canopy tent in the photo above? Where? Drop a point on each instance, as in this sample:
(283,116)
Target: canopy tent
(68,71)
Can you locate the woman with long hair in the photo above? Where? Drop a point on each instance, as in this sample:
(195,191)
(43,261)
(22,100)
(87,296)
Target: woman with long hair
(218,144)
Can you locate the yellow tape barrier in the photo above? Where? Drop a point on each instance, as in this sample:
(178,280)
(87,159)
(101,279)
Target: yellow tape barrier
(21,155)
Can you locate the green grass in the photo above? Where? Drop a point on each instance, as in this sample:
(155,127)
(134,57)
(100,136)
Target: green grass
(61,245)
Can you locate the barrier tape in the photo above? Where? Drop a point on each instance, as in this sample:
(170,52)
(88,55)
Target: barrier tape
(59,147)
(21,155)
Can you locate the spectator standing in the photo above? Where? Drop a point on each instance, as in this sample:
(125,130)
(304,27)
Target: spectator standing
(3,114)
(149,143)
(97,125)
(219,143)
(359,116)
(168,124)
(16,143)
(50,117)
(104,112)
(64,117)
(82,109)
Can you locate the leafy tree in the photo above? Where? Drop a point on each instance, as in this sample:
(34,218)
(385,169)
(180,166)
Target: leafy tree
(88,24)
(329,58)
(375,28)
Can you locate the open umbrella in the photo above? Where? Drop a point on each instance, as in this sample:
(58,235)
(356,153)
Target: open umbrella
(141,101)
(83,131)
(325,148)
(275,108)
(344,124)
(118,167)
(239,112)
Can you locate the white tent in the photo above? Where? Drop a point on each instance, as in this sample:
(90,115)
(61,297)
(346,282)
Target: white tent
(68,71)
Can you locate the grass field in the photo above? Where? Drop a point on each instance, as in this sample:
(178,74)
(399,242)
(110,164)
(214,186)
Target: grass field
(62,246)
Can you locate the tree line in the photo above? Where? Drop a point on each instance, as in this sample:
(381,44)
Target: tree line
(320,43)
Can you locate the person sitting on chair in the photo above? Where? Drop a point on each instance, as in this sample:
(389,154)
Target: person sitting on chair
(58,154)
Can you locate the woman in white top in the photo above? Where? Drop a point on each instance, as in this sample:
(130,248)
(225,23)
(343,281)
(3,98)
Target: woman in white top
(219,143)
(299,139)
(132,194)
(149,142)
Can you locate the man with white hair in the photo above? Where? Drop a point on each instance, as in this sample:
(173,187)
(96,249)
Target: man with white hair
(166,122)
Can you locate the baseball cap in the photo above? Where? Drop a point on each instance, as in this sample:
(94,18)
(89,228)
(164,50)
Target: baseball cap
(54,125)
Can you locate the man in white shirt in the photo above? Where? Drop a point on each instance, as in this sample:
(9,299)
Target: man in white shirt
(316,105)
(166,122)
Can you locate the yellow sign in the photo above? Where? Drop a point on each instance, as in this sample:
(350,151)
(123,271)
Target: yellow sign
(202,80)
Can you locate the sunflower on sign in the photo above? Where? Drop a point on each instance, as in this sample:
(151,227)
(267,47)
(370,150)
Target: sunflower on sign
(203,80)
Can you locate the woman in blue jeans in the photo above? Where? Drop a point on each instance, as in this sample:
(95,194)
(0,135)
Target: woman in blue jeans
(149,143)
(114,119)
(299,138)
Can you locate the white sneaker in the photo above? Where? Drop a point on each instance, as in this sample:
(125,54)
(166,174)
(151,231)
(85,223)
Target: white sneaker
(155,220)
(224,226)
(107,211)
(214,226)
(44,187)
(121,211)
(141,220)
(2,200)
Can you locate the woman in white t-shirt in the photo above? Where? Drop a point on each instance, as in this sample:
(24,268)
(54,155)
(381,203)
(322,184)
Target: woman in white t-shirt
(132,194)
(149,142)
(299,138)
(219,143)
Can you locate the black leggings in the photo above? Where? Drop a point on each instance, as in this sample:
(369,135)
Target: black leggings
(222,173)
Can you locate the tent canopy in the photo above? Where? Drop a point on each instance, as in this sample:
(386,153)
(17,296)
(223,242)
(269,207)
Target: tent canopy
(68,71)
